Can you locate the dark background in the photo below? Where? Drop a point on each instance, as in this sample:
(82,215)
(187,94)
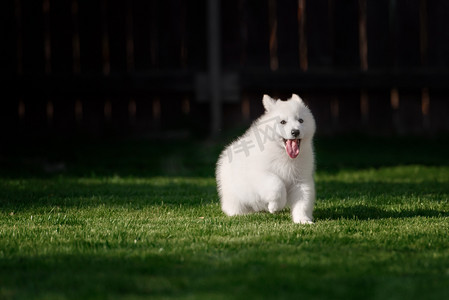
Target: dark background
(145,68)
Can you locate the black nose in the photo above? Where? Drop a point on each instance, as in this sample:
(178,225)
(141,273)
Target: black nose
(295,132)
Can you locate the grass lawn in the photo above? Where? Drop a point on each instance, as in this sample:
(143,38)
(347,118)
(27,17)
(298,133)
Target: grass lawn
(141,219)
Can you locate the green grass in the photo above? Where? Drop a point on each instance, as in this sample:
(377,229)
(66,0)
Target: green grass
(141,219)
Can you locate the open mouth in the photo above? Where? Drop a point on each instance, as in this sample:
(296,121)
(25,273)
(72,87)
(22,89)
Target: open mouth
(292,147)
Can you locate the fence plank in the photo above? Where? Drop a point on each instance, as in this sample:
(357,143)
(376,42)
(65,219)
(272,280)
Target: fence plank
(119,119)
(196,22)
(90,31)
(233,34)
(407,33)
(411,117)
(63,120)
(9,30)
(8,60)
(256,18)
(380,115)
(170,33)
(33,37)
(319,14)
(35,113)
(116,11)
(349,113)
(439,112)
(438,25)
(61,34)
(406,40)
(345,26)
(288,36)
(320,105)
(34,102)
(93,121)
(144,32)
(379,50)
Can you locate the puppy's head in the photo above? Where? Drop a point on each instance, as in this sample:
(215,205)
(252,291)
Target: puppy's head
(292,122)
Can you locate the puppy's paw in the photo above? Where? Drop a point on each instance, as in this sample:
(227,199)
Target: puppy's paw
(273,207)
(303,220)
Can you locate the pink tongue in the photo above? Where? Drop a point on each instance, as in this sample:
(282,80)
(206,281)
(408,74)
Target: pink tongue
(292,148)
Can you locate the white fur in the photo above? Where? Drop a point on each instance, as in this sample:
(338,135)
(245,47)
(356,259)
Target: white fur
(255,173)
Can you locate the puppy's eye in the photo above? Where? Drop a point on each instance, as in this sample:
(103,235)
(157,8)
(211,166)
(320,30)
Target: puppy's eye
(301,121)
(283,122)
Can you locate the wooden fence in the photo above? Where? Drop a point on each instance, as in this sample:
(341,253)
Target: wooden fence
(174,66)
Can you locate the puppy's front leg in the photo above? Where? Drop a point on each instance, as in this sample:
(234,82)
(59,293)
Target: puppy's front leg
(301,199)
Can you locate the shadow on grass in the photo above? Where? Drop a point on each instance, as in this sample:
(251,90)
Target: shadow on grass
(142,158)
(381,188)
(191,158)
(247,275)
(91,277)
(361,212)
(67,193)
(344,199)
(96,192)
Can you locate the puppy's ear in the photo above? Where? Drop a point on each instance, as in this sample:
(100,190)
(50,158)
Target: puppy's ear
(268,102)
(297,98)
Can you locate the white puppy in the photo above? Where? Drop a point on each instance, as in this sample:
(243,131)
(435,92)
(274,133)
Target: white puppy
(272,165)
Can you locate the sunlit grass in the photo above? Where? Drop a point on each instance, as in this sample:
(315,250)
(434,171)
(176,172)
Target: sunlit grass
(381,232)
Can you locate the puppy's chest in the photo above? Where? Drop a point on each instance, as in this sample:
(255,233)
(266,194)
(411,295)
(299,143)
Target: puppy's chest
(290,172)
